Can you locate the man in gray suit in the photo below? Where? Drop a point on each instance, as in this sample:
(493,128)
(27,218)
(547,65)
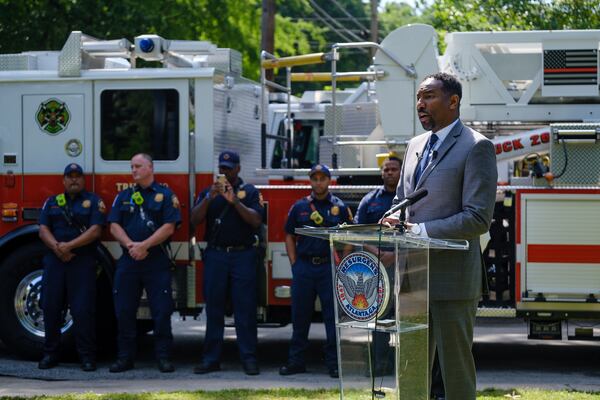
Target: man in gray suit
(457,166)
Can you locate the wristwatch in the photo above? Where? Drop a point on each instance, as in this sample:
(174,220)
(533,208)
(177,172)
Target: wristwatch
(415,229)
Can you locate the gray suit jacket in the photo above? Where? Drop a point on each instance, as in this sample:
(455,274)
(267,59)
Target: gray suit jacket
(461,185)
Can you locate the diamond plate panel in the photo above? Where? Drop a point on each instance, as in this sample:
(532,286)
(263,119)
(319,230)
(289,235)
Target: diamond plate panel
(69,60)
(351,119)
(17,62)
(236,126)
(582,158)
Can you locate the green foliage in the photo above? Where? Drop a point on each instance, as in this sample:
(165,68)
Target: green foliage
(507,15)
(45,24)
(396,15)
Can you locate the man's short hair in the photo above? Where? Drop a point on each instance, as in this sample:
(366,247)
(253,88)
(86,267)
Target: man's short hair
(145,156)
(392,158)
(450,84)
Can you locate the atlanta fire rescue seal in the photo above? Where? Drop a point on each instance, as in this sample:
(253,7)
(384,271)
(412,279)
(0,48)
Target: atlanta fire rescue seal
(362,286)
(53,116)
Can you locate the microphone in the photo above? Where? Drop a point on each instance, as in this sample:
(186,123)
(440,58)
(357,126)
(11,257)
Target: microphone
(408,200)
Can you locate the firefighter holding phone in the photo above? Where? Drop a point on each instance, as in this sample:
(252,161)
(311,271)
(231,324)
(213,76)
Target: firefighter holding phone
(233,215)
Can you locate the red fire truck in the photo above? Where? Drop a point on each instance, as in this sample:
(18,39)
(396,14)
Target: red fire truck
(91,104)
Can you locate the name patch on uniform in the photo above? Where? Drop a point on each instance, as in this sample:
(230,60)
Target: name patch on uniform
(335,210)
(159,197)
(241,194)
(361,286)
(86,204)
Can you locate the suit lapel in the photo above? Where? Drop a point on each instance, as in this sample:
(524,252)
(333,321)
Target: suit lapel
(443,150)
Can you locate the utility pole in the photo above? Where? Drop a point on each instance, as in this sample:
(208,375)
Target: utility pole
(374,24)
(267,40)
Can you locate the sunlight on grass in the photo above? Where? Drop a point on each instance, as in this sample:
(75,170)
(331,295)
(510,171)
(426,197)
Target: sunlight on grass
(301,394)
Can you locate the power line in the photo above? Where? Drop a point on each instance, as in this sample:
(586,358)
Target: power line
(361,26)
(316,7)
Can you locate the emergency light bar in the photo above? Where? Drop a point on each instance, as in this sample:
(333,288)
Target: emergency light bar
(107,48)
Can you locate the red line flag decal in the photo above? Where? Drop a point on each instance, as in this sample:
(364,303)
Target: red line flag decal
(571,67)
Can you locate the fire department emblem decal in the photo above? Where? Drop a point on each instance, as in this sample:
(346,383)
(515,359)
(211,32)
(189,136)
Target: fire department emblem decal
(53,116)
(356,286)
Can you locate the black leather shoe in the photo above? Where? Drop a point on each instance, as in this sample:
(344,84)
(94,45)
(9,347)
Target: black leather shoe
(251,368)
(48,362)
(206,368)
(334,373)
(165,365)
(121,365)
(291,369)
(88,366)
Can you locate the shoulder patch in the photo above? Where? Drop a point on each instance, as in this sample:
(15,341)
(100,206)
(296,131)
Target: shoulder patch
(101,206)
(175,200)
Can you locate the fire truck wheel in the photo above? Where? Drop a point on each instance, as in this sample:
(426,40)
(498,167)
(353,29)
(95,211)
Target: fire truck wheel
(21,318)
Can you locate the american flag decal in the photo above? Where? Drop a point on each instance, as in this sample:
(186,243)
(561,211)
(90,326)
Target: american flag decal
(570,67)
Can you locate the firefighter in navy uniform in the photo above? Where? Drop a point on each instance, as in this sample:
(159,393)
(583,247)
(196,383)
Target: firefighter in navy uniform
(70,226)
(311,269)
(143,218)
(233,215)
(378,201)
(370,210)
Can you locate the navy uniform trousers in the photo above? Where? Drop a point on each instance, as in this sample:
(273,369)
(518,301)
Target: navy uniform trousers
(73,282)
(310,280)
(131,276)
(236,269)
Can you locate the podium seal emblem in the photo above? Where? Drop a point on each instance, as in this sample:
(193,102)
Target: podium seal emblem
(361,286)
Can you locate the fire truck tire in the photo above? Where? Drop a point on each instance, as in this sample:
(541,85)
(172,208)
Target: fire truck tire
(21,319)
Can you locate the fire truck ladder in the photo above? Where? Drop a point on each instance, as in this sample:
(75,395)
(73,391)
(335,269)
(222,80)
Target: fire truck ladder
(269,62)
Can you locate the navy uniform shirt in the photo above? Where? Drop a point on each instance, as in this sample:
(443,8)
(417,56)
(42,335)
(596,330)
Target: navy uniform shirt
(373,206)
(85,210)
(332,209)
(233,230)
(160,206)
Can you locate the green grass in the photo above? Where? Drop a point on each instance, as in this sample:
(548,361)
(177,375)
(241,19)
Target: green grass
(301,394)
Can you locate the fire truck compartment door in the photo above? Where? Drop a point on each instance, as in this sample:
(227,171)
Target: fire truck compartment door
(562,245)
(53,132)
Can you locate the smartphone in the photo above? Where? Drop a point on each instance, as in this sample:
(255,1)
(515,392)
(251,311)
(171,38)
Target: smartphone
(221,178)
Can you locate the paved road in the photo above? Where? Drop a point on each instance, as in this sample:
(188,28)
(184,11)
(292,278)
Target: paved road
(505,359)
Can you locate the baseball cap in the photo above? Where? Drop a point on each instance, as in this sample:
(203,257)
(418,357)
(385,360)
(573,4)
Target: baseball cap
(229,159)
(320,168)
(73,168)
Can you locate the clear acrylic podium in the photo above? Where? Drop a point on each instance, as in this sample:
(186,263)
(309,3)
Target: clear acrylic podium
(381,291)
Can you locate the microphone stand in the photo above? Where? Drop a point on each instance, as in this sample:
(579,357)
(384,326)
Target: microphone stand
(401,227)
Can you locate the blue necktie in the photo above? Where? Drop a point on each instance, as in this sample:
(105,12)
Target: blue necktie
(426,157)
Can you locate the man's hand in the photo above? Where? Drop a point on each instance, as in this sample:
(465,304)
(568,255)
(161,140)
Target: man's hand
(137,250)
(389,221)
(229,194)
(215,190)
(63,251)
